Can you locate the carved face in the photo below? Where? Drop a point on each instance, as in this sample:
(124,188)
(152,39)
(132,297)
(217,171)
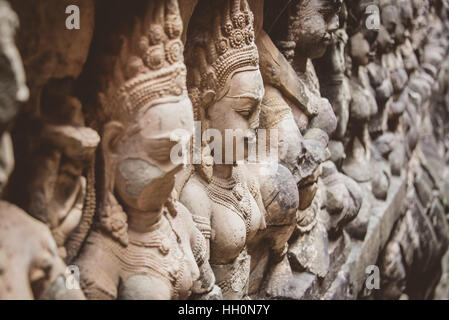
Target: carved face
(12,87)
(145,173)
(384,41)
(394,20)
(315,23)
(238,109)
(360,49)
(406,10)
(420,7)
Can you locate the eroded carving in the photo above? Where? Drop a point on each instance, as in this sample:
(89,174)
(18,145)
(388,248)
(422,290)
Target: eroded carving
(30,266)
(355,111)
(145,245)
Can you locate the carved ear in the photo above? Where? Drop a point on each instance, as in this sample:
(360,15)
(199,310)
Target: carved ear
(112,133)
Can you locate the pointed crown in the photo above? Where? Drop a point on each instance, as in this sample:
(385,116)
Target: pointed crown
(214,57)
(157,71)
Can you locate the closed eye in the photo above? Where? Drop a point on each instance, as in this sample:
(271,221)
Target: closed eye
(245,105)
(244,112)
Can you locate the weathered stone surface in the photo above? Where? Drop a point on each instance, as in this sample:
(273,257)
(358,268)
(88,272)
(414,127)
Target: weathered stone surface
(48,48)
(310,251)
(423,186)
(359,175)
(359,226)
(30,267)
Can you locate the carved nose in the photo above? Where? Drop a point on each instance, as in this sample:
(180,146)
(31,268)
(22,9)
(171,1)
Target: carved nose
(254,119)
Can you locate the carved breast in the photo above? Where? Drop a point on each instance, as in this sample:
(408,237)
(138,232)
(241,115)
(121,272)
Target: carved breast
(155,259)
(235,219)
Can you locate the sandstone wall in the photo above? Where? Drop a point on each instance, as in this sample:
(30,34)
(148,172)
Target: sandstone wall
(358,91)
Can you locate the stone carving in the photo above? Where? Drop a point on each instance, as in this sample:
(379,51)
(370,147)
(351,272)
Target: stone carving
(226,89)
(315,118)
(53,179)
(354,99)
(144,244)
(354,172)
(29,263)
(59,194)
(421,235)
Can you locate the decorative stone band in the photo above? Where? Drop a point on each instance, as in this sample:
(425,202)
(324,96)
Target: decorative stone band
(145,90)
(199,250)
(203,224)
(232,195)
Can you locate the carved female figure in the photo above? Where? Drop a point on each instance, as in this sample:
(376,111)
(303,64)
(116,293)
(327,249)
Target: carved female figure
(226,88)
(301,155)
(309,26)
(145,246)
(312,28)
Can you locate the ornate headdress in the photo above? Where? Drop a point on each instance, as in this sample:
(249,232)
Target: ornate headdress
(214,57)
(149,70)
(155,70)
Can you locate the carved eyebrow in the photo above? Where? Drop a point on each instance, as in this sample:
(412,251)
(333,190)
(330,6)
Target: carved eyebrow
(328,12)
(247,96)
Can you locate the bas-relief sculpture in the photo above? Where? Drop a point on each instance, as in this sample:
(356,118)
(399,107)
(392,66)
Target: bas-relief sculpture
(30,266)
(354,99)
(239,208)
(350,107)
(145,245)
(56,150)
(58,190)
(422,222)
(315,119)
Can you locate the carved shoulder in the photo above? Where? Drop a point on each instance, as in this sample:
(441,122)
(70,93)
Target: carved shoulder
(99,274)
(185,220)
(198,232)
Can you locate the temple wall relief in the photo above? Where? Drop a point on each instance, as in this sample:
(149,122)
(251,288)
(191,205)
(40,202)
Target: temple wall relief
(356,172)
